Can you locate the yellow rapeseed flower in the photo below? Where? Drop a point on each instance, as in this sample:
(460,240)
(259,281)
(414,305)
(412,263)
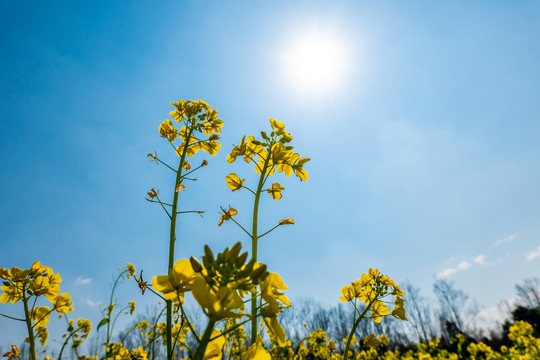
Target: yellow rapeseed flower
(275,191)
(371,341)
(131,269)
(13,353)
(11,292)
(181,279)
(226,215)
(270,291)
(131,307)
(63,304)
(331,345)
(40,315)
(85,325)
(167,130)
(216,304)
(257,352)
(234,182)
(213,350)
(378,310)
(289,221)
(42,334)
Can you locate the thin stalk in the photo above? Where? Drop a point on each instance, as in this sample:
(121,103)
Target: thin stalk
(153,342)
(163,207)
(254,239)
(270,230)
(31,337)
(159,202)
(178,335)
(201,348)
(172,239)
(241,227)
(11,317)
(190,211)
(165,164)
(65,343)
(248,189)
(117,315)
(234,327)
(356,323)
(110,303)
(187,320)
(230,329)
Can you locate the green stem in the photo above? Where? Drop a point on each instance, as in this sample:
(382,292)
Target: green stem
(230,329)
(248,189)
(152,343)
(270,230)
(172,239)
(356,323)
(109,329)
(11,317)
(163,206)
(31,337)
(241,227)
(159,202)
(254,239)
(201,348)
(190,211)
(165,164)
(187,319)
(65,343)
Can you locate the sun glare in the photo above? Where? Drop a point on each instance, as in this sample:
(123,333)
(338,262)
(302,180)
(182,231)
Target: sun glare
(315,62)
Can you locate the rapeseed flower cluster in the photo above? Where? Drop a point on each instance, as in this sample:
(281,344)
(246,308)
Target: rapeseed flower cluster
(219,285)
(198,120)
(29,285)
(372,287)
(269,155)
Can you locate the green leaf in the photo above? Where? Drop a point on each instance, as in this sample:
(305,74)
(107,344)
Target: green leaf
(103,322)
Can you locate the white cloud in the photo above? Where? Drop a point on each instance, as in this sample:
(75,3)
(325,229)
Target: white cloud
(506,239)
(464,265)
(93,303)
(80,281)
(488,319)
(480,259)
(533,254)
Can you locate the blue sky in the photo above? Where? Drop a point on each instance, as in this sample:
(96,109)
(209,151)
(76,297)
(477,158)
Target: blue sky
(424,151)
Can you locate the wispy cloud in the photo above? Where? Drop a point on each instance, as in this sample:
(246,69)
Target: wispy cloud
(533,254)
(93,303)
(80,281)
(464,265)
(480,259)
(506,239)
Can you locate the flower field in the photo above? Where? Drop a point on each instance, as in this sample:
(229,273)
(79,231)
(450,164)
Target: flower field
(240,298)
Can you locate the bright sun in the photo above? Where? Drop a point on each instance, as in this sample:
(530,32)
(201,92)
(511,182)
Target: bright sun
(315,62)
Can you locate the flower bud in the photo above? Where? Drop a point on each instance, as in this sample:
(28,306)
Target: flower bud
(241,259)
(233,253)
(208,253)
(258,273)
(195,264)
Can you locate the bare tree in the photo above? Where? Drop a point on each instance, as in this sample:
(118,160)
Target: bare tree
(420,314)
(455,309)
(529,292)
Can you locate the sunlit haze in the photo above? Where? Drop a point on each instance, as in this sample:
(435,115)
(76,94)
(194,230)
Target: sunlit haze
(315,61)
